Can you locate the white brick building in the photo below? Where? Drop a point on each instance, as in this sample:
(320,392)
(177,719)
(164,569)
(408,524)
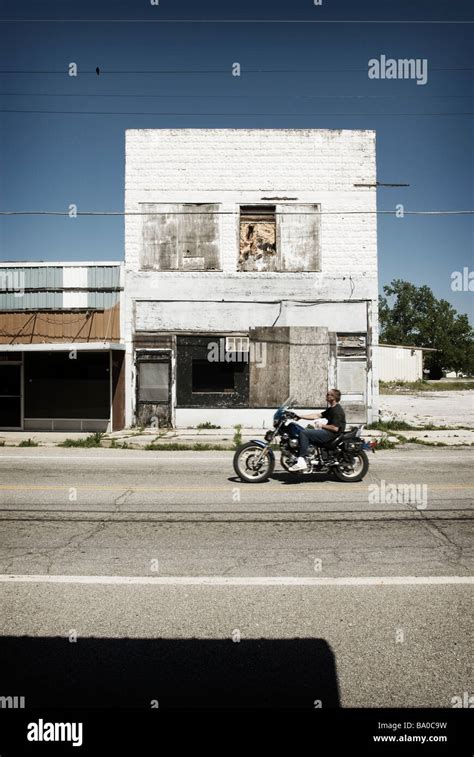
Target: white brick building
(259,233)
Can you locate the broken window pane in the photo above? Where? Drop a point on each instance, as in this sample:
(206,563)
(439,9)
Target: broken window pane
(279,238)
(351,344)
(214,377)
(257,249)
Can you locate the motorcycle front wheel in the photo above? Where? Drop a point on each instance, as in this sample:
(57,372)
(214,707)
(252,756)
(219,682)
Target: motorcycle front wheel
(355,470)
(251,465)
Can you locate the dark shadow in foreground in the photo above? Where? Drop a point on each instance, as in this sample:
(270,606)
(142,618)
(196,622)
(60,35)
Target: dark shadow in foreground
(175,674)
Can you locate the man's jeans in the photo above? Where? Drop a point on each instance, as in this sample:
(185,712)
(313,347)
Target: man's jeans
(308,435)
(313,436)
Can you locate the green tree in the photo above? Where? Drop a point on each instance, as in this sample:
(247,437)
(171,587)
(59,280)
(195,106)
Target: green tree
(412,315)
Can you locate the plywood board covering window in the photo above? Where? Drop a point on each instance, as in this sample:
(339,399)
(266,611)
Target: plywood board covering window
(180,237)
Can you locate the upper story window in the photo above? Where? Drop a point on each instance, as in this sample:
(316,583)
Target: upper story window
(279,238)
(257,249)
(180,237)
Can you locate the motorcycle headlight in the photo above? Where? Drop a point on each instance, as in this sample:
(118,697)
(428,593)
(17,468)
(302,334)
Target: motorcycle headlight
(268,436)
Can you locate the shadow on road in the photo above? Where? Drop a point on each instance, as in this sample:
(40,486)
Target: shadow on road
(178,674)
(289,478)
(301,478)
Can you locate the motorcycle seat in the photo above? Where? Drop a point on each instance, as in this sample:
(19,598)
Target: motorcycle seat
(349,434)
(344,436)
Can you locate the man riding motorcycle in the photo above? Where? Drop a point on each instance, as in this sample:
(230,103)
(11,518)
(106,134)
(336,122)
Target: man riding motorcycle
(344,454)
(335,423)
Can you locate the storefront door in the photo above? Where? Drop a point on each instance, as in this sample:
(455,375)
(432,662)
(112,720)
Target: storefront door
(10,391)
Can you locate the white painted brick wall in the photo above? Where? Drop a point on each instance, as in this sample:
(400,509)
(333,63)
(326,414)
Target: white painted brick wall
(242,167)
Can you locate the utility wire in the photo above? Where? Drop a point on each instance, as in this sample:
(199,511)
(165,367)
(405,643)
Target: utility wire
(204,96)
(232,21)
(174,113)
(220,71)
(231,212)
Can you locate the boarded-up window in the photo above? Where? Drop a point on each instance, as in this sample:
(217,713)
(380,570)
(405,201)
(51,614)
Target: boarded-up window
(279,238)
(294,362)
(352,364)
(182,237)
(270,376)
(298,237)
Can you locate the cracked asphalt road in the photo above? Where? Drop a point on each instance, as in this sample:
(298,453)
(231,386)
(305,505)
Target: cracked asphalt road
(113,512)
(125,513)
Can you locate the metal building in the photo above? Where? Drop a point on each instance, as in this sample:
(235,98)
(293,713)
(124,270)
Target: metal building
(61,356)
(398,362)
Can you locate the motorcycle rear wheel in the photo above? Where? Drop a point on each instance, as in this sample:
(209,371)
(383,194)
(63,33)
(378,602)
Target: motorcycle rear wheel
(356,472)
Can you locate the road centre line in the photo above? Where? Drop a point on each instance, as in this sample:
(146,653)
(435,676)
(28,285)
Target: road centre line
(112,458)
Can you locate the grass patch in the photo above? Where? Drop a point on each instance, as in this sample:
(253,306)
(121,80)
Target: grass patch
(205,425)
(238,435)
(114,445)
(416,440)
(391,425)
(94,440)
(385,443)
(401,387)
(28,443)
(186,447)
(396,425)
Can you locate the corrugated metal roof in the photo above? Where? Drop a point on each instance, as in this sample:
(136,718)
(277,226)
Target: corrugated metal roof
(15,279)
(102,300)
(30,300)
(101,277)
(31,278)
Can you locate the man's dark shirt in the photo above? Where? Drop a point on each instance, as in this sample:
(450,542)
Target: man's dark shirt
(335,417)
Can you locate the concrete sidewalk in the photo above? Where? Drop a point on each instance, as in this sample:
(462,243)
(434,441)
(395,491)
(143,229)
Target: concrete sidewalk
(223,438)
(132,438)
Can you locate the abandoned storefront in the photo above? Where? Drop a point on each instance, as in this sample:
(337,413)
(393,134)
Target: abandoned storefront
(61,359)
(246,286)
(187,379)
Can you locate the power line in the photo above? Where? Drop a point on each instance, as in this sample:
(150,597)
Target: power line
(231,212)
(175,113)
(206,96)
(221,71)
(228,21)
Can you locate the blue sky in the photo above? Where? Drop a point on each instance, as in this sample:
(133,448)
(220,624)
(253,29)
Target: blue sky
(314,76)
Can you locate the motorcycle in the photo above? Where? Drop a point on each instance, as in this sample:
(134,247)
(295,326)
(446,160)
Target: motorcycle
(345,455)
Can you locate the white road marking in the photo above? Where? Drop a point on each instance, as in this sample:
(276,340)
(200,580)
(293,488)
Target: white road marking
(98,459)
(243,580)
